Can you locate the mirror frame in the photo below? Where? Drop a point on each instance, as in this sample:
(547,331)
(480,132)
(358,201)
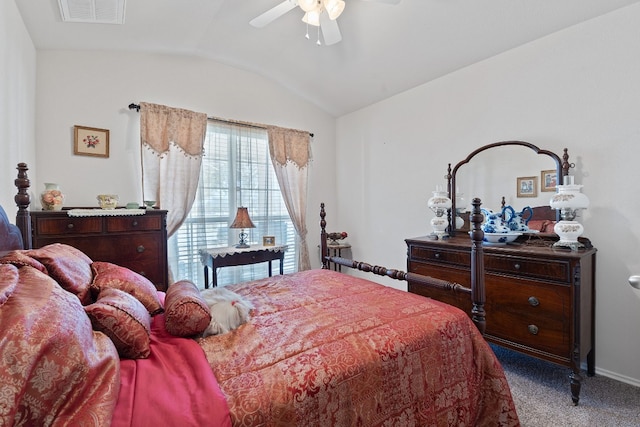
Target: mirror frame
(562,169)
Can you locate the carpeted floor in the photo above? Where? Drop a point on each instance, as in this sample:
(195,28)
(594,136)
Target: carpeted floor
(543,399)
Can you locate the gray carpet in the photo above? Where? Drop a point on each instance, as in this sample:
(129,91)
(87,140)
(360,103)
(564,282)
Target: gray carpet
(543,398)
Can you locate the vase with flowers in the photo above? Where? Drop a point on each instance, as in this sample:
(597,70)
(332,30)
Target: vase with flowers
(51,198)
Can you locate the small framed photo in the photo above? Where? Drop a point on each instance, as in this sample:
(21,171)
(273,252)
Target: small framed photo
(90,141)
(268,240)
(548,180)
(527,186)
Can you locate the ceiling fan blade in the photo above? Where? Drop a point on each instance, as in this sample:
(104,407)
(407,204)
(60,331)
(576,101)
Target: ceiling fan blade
(272,14)
(330,30)
(385,1)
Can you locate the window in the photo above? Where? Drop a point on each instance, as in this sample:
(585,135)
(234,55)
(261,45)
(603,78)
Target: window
(236,171)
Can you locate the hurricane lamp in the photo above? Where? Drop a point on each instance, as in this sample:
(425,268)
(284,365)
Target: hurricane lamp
(439,203)
(569,200)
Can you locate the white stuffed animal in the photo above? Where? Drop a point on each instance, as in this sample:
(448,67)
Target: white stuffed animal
(228,310)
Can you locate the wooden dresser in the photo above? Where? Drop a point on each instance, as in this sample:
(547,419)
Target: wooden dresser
(138,242)
(539,300)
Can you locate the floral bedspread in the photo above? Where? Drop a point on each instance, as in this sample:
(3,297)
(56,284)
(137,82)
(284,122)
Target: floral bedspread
(328,349)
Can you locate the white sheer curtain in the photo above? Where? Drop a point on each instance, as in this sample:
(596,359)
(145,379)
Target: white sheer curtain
(171,163)
(290,152)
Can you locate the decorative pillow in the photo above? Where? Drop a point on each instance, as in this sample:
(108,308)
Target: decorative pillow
(125,320)
(68,266)
(55,369)
(19,259)
(186,312)
(107,275)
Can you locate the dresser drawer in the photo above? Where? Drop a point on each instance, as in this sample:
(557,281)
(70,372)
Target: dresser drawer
(529,313)
(549,269)
(67,225)
(133,223)
(439,255)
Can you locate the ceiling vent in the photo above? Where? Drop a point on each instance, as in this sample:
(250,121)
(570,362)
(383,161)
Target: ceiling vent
(92,11)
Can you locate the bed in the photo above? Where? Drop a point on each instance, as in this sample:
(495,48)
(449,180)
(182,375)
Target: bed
(322,348)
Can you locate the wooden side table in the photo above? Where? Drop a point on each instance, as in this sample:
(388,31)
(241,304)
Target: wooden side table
(214,258)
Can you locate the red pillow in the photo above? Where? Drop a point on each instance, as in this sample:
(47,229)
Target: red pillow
(125,320)
(107,275)
(186,312)
(68,266)
(19,258)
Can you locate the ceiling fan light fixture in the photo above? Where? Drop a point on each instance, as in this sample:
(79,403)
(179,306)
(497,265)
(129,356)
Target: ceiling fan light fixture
(334,8)
(312,18)
(308,5)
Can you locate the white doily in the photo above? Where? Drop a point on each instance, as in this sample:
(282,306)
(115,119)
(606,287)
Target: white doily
(105,212)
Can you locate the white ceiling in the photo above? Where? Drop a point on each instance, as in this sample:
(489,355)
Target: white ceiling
(385,49)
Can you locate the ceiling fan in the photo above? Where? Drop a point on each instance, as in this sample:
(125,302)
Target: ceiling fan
(318,13)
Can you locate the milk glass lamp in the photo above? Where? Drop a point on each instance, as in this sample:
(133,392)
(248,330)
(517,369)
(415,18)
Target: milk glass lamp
(569,200)
(440,203)
(242,221)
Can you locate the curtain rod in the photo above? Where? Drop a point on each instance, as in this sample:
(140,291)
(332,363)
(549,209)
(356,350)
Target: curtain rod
(136,107)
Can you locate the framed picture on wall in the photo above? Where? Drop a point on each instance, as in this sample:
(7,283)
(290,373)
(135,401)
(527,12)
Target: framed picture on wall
(90,141)
(527,186)
(548,180)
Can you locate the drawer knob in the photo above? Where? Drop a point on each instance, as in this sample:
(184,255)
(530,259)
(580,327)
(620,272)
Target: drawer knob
(533,301)
(134,223)
(516,266)
(437,255)
(533,329)
(140,249)
(70,226)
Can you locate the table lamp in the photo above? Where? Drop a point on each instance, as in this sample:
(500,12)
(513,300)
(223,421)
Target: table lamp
(242,221)
(569,200)
(440,203)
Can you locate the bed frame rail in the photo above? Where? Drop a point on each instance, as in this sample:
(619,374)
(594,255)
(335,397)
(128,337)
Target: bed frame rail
(476,292)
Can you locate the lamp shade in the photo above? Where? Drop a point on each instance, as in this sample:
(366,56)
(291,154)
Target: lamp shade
(334,8)
(242,219)
(440,200)
(312,18)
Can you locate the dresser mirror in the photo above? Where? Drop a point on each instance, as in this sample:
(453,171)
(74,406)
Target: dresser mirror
(495,171)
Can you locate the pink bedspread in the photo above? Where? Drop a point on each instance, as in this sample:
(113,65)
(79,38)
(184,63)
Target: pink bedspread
(328,349)
(173,387)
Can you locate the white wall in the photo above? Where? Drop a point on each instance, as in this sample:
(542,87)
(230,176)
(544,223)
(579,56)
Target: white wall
(17,101)
(94,89)
(580,89)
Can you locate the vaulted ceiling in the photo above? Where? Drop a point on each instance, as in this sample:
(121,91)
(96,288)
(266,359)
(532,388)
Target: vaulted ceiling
(385,49)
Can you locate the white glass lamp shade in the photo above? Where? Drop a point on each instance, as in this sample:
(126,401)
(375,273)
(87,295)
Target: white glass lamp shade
(309,5)
(334,8)
(312,18)
(439,201)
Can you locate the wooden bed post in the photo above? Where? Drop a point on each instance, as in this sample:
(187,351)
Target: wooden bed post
(477,267)
(22,199)
(324,251)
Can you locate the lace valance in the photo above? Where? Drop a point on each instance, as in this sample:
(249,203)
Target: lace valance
(289,145)
(161,125)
